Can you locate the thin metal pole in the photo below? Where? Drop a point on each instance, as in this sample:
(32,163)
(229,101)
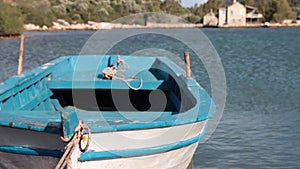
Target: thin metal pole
(21,53)
(187,64)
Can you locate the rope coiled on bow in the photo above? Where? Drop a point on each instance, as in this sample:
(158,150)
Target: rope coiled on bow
(115,72)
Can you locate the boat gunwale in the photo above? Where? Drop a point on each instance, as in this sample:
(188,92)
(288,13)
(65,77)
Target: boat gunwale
(190,85)
(169,119)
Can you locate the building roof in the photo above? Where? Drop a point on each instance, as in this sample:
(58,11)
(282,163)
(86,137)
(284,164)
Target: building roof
(236,4)
(250,7)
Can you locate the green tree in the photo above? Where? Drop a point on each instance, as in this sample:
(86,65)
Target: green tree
(152,6)
(11,21)
(37,12)
(295,5)
(214,5)
(173,7)
(250,2)
(282,10)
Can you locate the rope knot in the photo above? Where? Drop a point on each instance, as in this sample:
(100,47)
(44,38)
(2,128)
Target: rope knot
(111,73)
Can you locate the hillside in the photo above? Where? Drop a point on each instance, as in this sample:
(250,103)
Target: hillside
(44,12)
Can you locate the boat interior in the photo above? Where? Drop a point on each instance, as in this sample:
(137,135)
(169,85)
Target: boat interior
(141,85)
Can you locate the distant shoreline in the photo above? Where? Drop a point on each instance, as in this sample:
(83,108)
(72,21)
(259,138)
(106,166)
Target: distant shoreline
(109,26)
(270,25)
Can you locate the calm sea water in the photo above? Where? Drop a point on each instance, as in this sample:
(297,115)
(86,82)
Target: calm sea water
(260,127)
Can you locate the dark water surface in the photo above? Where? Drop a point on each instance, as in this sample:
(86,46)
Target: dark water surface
(260,127)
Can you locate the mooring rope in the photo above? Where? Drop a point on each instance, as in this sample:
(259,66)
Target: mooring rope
(116,71)
(127,81)
(76,139)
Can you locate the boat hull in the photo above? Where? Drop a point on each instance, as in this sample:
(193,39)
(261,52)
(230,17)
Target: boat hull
(172,157)
(21,148)
(139,139)
(159,148)
(16,161)
(157,126)
(14,137)
(175,159)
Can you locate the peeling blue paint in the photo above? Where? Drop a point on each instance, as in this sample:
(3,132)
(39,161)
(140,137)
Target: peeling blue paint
(31,151)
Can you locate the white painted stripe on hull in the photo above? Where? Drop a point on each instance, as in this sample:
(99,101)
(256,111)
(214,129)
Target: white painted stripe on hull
(135,139)
(175,159)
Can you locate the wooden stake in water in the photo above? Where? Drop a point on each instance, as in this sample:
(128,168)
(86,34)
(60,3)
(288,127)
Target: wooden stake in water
(21,53)
(187,64)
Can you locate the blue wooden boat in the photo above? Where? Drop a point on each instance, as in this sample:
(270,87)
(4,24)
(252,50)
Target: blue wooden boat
(102,112)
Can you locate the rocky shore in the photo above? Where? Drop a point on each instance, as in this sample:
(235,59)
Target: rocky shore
(266,25)
(60,25)
(63,25)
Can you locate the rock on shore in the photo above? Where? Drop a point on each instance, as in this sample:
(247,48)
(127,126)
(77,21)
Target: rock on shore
(64,25)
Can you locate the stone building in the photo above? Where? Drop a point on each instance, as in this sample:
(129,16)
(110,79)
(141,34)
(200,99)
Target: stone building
(236,14)
(233,15)
(210,19)
(222,16)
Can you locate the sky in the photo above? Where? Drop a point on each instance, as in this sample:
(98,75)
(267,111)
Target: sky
(190,3)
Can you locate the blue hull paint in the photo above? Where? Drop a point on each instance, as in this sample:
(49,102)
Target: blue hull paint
(31,151)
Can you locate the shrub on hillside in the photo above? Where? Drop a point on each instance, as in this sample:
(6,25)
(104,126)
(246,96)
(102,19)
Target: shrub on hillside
(37,12)
(11,21)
